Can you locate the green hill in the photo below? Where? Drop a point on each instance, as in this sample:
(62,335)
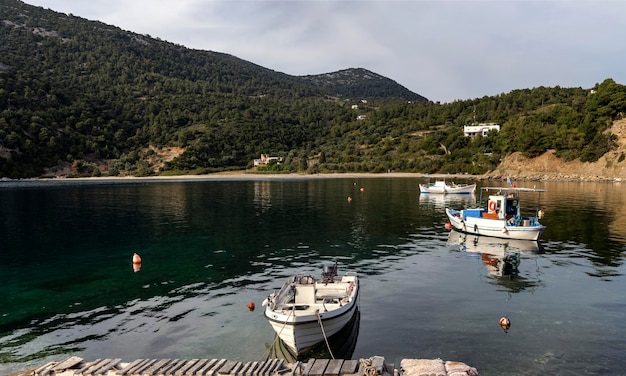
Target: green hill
(83,98)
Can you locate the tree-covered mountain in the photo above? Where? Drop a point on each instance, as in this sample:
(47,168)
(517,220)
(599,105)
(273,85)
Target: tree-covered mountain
(95,99)
(361,83)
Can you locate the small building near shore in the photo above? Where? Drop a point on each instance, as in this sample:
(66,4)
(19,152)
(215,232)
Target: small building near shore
(266,159)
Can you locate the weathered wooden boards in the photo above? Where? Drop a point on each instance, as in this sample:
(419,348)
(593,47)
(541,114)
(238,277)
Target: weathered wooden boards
(75,366)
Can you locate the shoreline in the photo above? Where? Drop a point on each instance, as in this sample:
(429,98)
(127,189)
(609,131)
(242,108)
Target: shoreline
(257,175)
(249,175)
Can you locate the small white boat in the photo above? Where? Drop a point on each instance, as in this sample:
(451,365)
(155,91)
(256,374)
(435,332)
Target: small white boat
(442,187)
(502,218)
(307,311)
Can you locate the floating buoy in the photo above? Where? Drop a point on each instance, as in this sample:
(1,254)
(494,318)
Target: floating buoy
(448,226)
(362,189)
(505,323)
(136,267)
(349,199)
(251,306)
(136,259)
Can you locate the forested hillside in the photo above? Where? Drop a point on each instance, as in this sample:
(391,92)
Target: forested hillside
(83,98)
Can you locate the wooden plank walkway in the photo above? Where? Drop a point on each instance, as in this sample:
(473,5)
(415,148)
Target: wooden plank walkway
(75,366)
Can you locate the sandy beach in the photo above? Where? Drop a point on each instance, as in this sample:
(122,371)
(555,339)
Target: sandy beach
(234,175)
(530,175)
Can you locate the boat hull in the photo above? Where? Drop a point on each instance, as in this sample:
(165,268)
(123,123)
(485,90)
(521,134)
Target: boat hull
(301,336)
(498,228)
(341,345)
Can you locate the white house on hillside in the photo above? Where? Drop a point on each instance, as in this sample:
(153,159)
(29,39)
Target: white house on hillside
(480,129)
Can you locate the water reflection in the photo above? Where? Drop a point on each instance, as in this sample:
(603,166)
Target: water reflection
(262,195)
(594,212)
(211,247)
(342,345)
(440,202)
(501,257)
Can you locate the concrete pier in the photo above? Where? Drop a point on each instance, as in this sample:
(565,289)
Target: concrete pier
(373,366)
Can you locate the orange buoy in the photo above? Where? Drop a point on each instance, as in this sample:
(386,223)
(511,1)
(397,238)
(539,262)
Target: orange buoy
(251,306)
(136,259)
(448,226)
(362,189)
(349,199)
(505,323)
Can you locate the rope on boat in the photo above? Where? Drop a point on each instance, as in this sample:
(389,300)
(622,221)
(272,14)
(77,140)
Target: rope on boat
(267,351)
(319,320)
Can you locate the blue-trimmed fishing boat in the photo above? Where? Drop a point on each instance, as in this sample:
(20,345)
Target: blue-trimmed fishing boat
(502,218)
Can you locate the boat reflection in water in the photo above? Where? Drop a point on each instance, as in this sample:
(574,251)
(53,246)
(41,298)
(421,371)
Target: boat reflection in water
(440,202)
(342,345)
(501,257)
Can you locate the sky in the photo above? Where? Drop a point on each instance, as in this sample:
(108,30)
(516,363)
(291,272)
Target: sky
(444,50)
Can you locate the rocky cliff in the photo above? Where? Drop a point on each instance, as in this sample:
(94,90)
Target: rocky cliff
(611,166)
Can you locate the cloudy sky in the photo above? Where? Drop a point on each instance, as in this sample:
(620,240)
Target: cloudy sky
(442,49)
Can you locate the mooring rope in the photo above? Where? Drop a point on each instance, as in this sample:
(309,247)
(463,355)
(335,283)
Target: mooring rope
(506,310)
(267,351)
(368,368)
(319,320)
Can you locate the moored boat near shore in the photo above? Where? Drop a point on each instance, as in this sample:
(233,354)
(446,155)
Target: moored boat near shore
(502,218)
(307,311)
(442,187)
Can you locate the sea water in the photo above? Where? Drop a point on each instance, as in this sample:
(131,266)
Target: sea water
(210,247)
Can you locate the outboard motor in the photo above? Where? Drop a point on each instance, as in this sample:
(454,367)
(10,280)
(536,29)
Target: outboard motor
(329,271)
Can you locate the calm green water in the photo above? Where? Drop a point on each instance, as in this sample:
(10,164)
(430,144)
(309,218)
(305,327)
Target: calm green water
(210,247)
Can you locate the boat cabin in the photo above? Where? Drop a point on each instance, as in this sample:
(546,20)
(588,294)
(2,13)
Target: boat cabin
(502,207)
(498,207)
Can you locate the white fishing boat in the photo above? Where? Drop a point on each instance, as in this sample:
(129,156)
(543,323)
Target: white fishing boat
(443,187)
(307,311)
(503,216)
